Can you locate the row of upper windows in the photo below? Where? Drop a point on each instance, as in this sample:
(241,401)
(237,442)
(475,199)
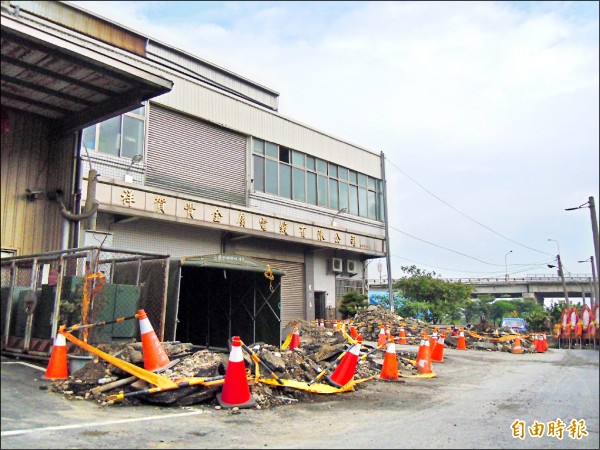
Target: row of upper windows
(276,169)
(295,175)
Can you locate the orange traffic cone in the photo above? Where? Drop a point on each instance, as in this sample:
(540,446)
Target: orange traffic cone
(388,333)
(421,346)
(335,324)
(437,353)
(402,336)
(517,346)
(347,366)
(382,338)
(424,360)
(462,342)
(236,391)
(155,356)
(353,331)
(295,343)
(58,368)
(534,342)
(433,340)
(389,370)
(539,345)
(545,341)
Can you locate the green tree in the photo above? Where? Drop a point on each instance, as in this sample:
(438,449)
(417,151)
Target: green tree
(442,299)
(555,310)
(502,308)
(352,303)
(413,308)
(479,307)
(537,316)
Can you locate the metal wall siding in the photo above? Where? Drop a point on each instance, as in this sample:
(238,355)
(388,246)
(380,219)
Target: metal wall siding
(289,258)
(25,160)
(166,238)
(200,101)
(174,58)
(293,304)
(190,156)
(60,176)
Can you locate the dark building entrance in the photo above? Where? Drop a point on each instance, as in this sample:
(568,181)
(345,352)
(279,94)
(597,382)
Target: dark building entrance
(225,295)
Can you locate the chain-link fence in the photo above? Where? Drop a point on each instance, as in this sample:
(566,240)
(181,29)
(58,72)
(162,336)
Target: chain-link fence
(84,285)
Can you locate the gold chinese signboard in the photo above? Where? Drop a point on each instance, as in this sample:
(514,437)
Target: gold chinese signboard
(116,198)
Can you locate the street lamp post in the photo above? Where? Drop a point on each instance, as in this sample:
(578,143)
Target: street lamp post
(506,265)
(561,274)
(592,205)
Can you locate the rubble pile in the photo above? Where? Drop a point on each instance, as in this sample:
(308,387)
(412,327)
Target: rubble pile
(369,320)
(320,347)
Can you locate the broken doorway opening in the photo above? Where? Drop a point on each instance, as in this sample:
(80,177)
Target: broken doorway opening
(220,296)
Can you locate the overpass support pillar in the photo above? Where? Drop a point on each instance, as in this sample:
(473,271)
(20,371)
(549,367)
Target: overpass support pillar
(538,298)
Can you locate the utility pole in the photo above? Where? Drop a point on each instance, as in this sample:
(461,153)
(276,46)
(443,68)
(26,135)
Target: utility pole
(594,294)
(387,234)
(592,205)
(596,288)
(595,232)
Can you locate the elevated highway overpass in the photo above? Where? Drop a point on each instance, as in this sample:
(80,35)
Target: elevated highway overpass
(537,287)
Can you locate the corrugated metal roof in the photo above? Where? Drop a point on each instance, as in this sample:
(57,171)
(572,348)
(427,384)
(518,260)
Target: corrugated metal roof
(51,71)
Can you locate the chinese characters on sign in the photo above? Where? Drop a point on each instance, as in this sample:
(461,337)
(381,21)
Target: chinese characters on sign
(166,205)
(127,197)
(557,428)
(189,210)
(217,216)
(159,203)
(283,228)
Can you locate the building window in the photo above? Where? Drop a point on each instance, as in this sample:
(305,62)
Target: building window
(292,174)
(121,136)
(298,184)
(8,252)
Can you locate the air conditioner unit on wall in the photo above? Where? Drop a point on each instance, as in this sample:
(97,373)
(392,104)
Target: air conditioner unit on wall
(336,265)
(351,266)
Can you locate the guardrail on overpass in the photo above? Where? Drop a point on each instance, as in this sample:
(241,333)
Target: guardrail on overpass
(538,287)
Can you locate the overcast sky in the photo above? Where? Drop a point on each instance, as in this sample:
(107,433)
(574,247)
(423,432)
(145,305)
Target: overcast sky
(487,112)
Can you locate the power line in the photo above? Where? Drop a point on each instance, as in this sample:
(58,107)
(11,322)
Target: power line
(442,247)
(525,267)
(460,212)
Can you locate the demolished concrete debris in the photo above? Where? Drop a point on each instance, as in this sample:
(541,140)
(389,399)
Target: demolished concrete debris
(97,380)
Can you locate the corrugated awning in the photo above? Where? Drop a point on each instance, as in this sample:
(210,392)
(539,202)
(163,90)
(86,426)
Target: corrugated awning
(49,70)
(229,261)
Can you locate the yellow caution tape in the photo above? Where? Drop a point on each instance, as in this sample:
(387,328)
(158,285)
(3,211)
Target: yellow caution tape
(420,375)
(317,388)
(288,340)
(347,336)
(201,381)
(143,374)
(508,337)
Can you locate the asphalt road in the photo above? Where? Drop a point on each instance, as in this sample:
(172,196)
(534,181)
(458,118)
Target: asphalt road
(472,403)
